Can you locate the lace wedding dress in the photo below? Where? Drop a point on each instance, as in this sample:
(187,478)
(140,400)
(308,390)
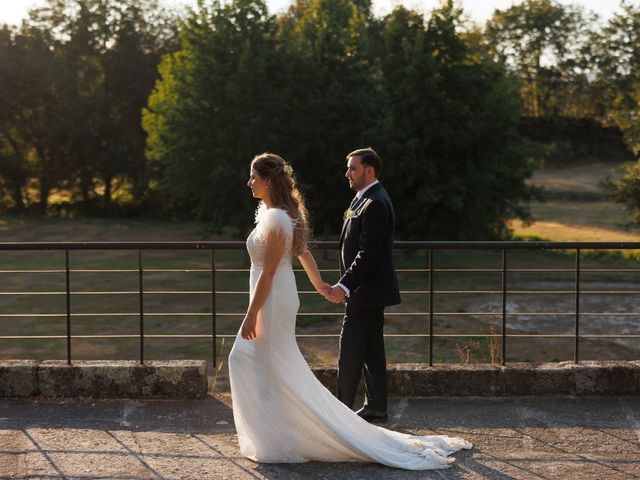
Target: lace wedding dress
(282,413)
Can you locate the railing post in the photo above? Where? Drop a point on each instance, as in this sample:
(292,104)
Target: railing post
(430,256)
(576,345)
(504,306)
(141,299)
(214,347)
(68,295)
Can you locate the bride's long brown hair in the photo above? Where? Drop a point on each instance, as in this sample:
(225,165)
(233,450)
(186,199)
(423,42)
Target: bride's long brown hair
(285,195)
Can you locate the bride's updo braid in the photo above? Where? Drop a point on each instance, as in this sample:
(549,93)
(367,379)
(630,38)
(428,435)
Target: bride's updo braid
(285,195)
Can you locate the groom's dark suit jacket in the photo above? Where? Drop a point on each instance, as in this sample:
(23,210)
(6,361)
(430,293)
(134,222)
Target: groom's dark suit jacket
(366,251)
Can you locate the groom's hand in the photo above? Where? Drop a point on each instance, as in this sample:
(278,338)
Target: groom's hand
(336,295)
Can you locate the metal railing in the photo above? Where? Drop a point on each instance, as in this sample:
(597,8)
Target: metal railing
(431,292)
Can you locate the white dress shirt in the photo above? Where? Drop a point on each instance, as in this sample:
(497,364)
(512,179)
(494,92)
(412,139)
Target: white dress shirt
(360,193)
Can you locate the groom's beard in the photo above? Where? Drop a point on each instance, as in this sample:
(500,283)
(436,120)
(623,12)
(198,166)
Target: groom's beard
(356,184)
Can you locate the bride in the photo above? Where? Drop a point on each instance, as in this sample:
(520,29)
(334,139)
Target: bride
(282,413)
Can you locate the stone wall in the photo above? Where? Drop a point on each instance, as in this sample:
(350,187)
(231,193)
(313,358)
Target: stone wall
(563,378)
(104,379)
(188,379)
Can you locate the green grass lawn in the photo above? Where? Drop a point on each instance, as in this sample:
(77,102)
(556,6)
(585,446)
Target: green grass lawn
(567,216)
(577,209)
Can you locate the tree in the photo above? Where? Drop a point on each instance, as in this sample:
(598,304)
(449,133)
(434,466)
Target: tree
(210,112)
(618,59)
(626,191)
(13,168)
(244,83)
(617,55)
(110,49)
(545,44)
(32,137)
(322,80)
(333,102)
(454,153)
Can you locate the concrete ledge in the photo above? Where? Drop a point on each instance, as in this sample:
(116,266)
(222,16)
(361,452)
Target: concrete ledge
(188,379)
(18,378)
(106,379)
(564,378)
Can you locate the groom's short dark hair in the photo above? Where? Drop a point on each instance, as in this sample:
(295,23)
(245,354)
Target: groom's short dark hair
(368,156)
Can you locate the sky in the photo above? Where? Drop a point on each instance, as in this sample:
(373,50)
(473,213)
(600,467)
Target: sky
(13,11)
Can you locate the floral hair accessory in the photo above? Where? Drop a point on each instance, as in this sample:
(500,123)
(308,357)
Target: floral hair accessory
(287,169)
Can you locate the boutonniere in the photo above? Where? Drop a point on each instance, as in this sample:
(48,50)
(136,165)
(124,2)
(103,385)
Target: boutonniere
(348,213)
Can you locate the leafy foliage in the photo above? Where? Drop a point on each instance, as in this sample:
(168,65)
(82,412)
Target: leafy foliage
(212,109)
(546,46)
(324,79)
(123,101)
(88,67)
(618,55)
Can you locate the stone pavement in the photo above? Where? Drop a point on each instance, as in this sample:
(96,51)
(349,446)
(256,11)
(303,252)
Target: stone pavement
(517,437)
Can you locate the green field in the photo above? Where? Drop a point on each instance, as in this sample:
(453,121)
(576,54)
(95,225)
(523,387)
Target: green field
(576,208)
(90,294)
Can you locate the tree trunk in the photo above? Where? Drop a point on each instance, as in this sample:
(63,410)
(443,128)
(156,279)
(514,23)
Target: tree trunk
(16,193)
(84,190)
(18,179)
(139,186)
(45,171)
(45,190)
(106,198)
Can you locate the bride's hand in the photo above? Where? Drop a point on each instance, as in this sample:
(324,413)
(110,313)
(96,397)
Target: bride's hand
(323,289)
(248,329)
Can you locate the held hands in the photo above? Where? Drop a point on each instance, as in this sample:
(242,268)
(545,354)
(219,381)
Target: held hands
(248,329)
(323,288)
(336,295)
(333,294)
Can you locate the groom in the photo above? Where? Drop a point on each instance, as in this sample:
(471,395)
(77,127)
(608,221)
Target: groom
(368,284)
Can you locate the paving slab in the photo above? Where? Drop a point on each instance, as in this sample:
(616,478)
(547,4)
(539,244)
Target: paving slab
(514,438)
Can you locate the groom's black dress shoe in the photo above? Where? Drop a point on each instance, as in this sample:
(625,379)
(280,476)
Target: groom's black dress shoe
(372,416)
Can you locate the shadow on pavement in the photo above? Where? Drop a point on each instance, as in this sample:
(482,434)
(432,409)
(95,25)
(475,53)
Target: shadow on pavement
(514,438)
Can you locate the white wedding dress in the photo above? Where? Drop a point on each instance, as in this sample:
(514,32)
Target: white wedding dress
(282,413)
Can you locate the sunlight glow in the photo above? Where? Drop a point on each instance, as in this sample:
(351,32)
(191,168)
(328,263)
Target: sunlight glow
(13,11)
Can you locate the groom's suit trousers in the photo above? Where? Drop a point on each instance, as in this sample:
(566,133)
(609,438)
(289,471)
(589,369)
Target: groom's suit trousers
(362,351)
